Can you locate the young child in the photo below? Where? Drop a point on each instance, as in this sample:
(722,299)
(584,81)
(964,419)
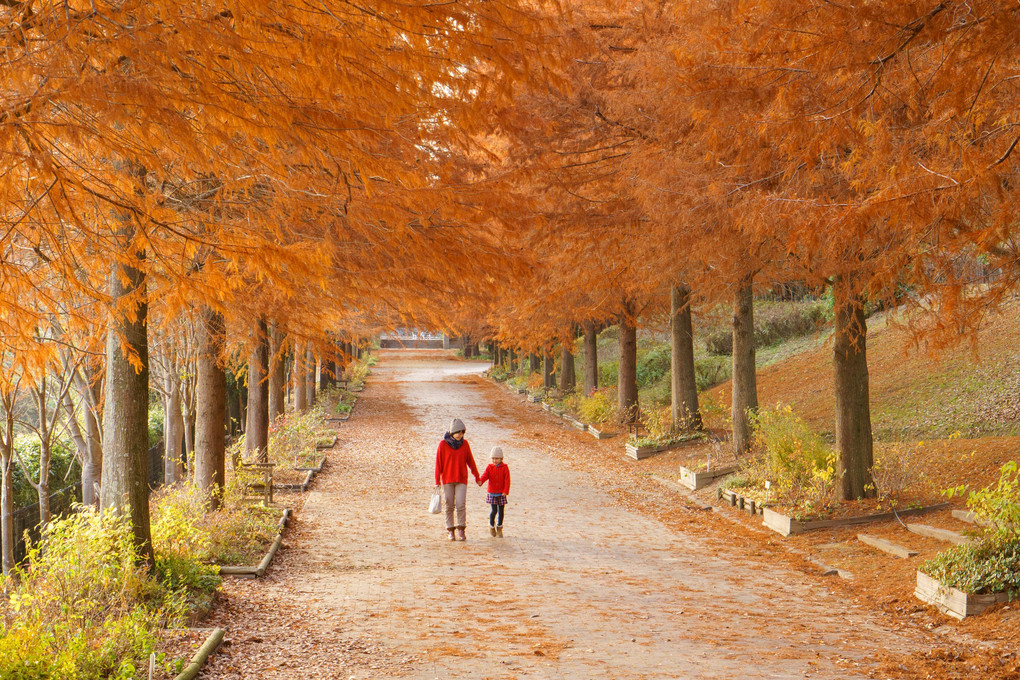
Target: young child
(498,476)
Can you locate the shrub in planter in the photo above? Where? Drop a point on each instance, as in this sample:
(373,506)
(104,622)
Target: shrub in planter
(992,565)
(794,458)
(599,407)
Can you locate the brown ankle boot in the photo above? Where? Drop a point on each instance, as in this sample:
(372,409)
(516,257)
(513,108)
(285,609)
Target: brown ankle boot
(499,532)
(462,536)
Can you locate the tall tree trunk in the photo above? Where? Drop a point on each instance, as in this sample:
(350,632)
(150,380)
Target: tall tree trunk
(853,408)
(300,378)
(7,485)
(92,468)
(591,358)
(232,415)
(256,432)
(548,370)
(277,375)
(627,375)
(210,437)
(7,509)
(685,411)
(510,360)
(568,376)
(310,377)
(173,435)
(125,486)
(534,362)
(745,388)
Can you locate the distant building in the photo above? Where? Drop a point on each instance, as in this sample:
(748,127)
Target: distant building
(412,338)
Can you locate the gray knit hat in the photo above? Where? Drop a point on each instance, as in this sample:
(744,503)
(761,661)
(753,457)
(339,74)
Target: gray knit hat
(457,426)
(496,453)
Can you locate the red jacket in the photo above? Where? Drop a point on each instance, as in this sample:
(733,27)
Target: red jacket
(452,464)
(499,478)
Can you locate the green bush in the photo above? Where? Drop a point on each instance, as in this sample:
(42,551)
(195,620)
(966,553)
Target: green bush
(155,425)
(990,566)
(82,608)
(712,370)
(598,407)
(773,324)
(64,468)
(796,460)
(653,365)
(608,371)
(181,541)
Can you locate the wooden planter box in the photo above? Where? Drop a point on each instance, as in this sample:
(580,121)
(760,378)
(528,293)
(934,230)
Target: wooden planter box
(575,423)
(639,452)
(323,446)
(786,525)
(556,412)
(546,406)
(317,468)
(600,434)
(699,480)
(953,601)
(260,569)
(339,419)
(532,399)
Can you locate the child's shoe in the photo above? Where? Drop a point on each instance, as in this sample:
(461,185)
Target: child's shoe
(492,531)
(499,531)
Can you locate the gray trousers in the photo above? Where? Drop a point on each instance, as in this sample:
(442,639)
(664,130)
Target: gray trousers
(456,498)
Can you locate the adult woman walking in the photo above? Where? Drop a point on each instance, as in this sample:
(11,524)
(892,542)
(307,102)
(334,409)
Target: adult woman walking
(453,459)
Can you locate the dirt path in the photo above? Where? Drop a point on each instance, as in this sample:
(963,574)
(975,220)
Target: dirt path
(583,586)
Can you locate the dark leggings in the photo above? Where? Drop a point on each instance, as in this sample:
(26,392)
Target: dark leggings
(497,510)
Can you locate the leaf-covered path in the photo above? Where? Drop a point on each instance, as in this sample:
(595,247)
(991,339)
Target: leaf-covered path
(583,586)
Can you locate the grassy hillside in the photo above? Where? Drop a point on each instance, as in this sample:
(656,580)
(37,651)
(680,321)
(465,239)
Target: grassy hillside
(973,390)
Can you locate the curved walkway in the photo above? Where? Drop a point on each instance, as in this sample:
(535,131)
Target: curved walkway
(581,587)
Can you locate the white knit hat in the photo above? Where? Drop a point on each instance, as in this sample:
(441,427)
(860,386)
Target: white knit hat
(457,426)
(496,453)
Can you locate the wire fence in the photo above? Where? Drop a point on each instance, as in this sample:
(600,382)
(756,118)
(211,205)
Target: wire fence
(25,521)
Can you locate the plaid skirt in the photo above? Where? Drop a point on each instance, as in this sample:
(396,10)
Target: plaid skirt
(495,499)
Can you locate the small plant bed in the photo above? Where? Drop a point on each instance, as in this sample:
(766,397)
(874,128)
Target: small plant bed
(575,423)
(258,570)
(325,443)
(642,447)
(788,525)
(967,579)
(791,470)
(698,479)
(336,404)
(602,431)
(313,464)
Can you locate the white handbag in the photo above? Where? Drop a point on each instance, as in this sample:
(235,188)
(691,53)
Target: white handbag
(436,504)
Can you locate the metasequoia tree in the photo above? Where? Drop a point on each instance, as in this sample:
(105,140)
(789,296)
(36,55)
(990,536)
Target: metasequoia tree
(135,153)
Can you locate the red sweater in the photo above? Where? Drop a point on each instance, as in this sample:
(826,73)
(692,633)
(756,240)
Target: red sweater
(499,478)
(452,464)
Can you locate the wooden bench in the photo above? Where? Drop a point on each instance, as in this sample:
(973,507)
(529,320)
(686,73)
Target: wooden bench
(263,471)
(634,425)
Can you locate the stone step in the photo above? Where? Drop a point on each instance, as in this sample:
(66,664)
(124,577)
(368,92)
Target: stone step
(886,546)
(947,535)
